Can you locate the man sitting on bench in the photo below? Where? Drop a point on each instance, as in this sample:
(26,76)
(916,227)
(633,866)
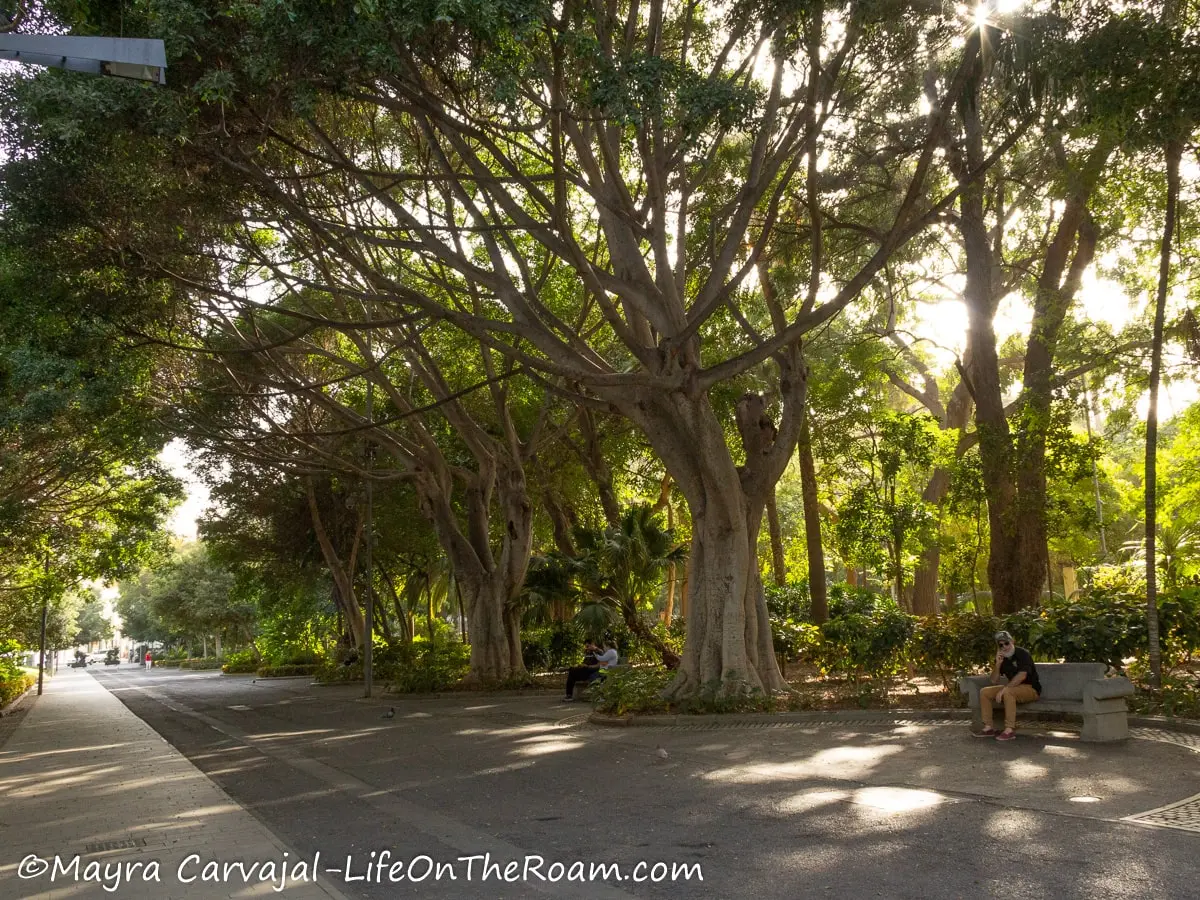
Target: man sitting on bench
(595,661)
(1016,664)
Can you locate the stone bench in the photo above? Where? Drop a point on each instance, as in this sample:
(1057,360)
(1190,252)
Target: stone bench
(581,687)
(1075,688)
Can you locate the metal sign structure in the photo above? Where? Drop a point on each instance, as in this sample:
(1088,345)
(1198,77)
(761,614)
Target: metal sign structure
(137,58)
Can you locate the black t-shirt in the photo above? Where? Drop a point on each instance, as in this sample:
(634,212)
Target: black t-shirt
(1021,661)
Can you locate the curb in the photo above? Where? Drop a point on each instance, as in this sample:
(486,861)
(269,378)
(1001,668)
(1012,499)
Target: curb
(442,695)
(11,706)
(1190,726)
(758,718)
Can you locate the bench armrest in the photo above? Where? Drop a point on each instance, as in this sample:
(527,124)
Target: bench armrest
(971,685)
(1107,688)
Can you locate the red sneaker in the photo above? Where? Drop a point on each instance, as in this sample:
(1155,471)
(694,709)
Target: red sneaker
(987,732)
(1006,735)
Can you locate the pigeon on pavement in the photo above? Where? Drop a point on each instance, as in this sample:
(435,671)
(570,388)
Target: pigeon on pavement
(662,754)
(390,714)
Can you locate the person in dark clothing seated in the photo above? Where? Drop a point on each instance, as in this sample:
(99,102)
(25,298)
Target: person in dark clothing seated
(1023,686)
(594,661)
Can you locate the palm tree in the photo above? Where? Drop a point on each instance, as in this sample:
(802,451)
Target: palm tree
(617,573)
(1175,549)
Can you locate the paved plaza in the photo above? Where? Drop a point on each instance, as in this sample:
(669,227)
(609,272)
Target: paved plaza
(501,795)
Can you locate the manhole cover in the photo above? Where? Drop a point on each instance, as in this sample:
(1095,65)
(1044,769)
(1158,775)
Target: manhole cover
(1184,815)
(103,846)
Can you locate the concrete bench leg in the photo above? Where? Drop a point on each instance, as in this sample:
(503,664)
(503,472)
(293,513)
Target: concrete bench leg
(1102,727)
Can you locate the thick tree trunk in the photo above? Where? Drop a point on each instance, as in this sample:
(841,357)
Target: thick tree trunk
(1006,573)
(778,568)
(897,560)
(925,581)
(729,637)
(729,640)
(491,582)
(592,456)
(1014,472)
(925,578)
(343,584)
(562,520)
(495,633)
(817,588)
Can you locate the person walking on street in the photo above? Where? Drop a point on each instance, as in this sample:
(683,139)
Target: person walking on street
(1015,664)
(149,661)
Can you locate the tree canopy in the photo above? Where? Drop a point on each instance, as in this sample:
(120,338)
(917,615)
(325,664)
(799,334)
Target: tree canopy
(469,285)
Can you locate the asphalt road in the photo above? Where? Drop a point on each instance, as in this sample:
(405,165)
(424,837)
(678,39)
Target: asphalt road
(847,810)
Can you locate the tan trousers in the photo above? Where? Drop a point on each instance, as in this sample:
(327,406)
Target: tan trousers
(1022,693)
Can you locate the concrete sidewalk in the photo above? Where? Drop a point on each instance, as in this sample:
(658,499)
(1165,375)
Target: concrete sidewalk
(84,780)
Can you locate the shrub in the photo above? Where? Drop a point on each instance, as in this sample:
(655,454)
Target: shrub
(640,691)
(9,668)
(632,691)
(634,649)
(420,667)
(241,662)
(201,662)
(555,646)
(867,645)
(954,644)
(332,671)
(167,663)
(1101,625)
(1179,697)
(794,639)
(425,666)
(13,684)
(286,671)
(847,600)
(789,601)
(296,656)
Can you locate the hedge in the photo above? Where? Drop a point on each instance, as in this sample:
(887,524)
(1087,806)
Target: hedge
(240,663)
(1107,624)
(14,686)
(285,671)
(201,662)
